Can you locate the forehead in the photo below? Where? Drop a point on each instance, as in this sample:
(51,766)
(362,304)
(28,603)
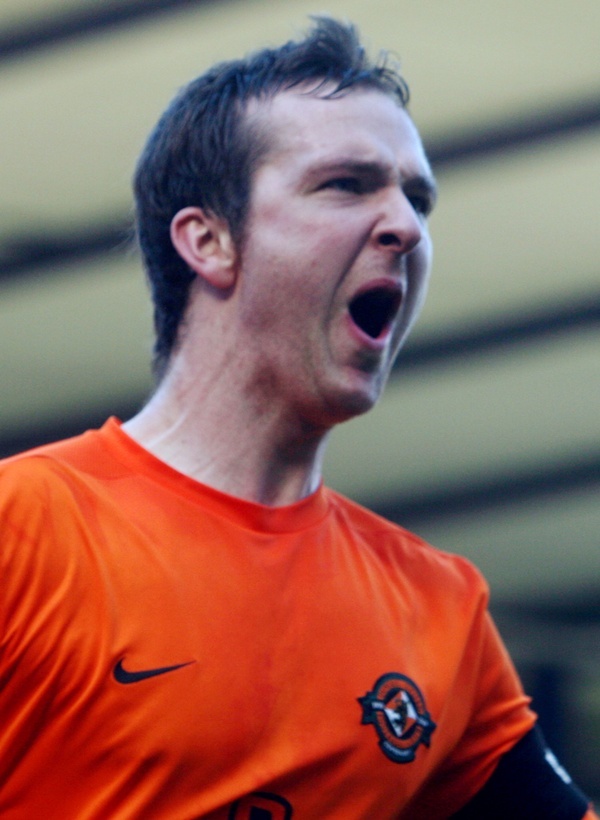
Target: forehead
(364,125)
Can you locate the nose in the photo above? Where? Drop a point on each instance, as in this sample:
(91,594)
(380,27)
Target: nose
(400,226)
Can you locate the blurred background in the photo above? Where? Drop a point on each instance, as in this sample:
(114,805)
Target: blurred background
(488,440)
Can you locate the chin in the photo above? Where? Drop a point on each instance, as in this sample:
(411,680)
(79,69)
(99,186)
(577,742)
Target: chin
(342,399)
(352,403)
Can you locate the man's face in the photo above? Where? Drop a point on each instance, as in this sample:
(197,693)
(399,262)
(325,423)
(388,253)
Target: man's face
(336,256)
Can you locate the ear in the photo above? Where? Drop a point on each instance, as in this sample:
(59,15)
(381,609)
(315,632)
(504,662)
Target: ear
(204,242)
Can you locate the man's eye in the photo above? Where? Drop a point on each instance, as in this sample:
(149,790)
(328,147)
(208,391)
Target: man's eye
(422,204)
(350,185)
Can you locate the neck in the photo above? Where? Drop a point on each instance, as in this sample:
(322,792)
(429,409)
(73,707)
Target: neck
(219,436)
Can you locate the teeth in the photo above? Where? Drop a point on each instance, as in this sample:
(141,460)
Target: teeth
(373,310)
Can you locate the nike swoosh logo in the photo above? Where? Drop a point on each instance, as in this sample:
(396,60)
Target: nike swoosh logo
(122,675)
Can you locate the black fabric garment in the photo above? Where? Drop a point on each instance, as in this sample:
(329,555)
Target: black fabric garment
(527,785)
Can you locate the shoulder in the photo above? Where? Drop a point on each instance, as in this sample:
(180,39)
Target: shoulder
(35,473)
(35,492)
(403,551)
(28,482)
(50,512)
(32,477)
(43,495)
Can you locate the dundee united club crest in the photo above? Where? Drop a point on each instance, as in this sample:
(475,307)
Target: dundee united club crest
(396,708)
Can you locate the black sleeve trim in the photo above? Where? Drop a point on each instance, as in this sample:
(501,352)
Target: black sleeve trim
(527,784)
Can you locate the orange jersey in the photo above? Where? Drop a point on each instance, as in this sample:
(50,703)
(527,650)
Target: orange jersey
(170,652)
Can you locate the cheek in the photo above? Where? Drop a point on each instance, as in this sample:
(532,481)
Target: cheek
(419,272)
(287,262)
(279,287)
(419,263)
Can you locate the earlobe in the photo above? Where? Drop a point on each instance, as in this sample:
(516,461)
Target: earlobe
(204,243)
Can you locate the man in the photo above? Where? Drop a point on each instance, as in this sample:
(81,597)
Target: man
(194,627)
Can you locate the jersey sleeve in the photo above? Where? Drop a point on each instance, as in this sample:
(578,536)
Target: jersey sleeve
(501,713)
(500,767)
(495,715)
(25,528)
(36,519)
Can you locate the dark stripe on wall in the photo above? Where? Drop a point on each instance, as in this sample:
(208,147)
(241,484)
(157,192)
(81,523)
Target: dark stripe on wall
(437,350)
(30,254)
(545,481)
(86,21)
(514,133)
(441,350)
(67,425)
(19,255)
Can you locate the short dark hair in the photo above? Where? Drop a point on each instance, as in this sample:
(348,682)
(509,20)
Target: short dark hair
(203,150)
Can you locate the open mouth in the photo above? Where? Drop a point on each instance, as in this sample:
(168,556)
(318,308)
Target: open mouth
(374,309)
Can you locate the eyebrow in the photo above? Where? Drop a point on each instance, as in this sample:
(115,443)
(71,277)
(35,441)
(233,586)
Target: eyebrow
(350,166)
